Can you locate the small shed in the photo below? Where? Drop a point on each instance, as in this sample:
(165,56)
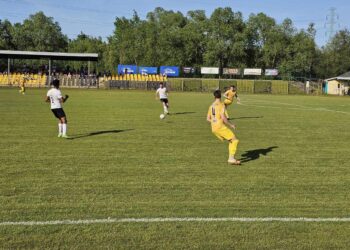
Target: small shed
(339,85)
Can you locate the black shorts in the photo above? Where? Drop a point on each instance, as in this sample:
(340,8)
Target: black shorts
(165,100)
(59,113)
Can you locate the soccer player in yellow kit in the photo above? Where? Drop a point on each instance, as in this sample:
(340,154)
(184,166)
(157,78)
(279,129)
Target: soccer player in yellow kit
(216,116)
(229,95)
(22,86)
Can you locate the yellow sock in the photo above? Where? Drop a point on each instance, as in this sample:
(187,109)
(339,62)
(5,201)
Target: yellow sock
(232,147)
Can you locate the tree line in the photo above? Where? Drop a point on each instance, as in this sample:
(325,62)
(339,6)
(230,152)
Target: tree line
(165,37)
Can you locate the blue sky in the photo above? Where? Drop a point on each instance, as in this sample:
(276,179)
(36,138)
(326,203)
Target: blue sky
(96,17)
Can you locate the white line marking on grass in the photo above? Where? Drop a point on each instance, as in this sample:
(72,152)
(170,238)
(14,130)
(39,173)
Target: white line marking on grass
(172,219)
(298,107)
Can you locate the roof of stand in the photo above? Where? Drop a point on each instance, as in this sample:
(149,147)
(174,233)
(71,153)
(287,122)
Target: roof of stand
(50,55)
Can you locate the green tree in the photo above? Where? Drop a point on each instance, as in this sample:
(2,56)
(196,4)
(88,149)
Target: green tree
(262,35)
(87,44)
(6,35)
(301,54)
(225,40)
(194,34)
(335,57)
(40,33)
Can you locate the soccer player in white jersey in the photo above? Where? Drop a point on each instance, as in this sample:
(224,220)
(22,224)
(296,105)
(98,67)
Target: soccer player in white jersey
(162,93)
(54,96)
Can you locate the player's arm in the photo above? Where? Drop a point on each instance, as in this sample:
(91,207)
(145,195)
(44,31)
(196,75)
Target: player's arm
(238,100)
(64,98)
(47,99)
(224,119)
(225,95)
(157,95)
(209,118)
(209,115)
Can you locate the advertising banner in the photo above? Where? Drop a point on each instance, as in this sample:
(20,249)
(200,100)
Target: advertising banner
(148,70)
(231,71)
(271,72)
(169,70)
(210,70)
(252,72)
(127,69)
(188,70)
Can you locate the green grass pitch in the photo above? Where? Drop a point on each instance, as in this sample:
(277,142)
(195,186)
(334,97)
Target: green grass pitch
(124,162)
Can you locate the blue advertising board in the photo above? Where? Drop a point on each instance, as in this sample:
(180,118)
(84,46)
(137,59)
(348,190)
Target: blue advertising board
(169,70)
(127,69)
(148,70)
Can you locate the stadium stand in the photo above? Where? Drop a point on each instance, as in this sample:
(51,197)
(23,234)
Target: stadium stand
(134,78)
(15,79)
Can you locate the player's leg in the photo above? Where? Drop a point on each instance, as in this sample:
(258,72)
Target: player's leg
(232,148)
(57,114)
(227,103)
(165,107)
(60,128)
(228,135)
(226,113)
(64,127)
(63,120)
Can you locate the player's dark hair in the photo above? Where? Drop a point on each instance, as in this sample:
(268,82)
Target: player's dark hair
(56,83)
(217,94)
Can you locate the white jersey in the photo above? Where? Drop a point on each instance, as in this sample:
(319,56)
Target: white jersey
(162,93)
(55,95)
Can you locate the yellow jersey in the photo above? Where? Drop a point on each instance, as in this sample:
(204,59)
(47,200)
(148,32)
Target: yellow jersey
(215,112)
(22,83)
(230,94)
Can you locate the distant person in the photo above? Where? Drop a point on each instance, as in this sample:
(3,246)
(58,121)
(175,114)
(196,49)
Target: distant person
(162,93)
(307,87)
(229,95)
(23,83)
(22,86)
(216,116)
(54,96)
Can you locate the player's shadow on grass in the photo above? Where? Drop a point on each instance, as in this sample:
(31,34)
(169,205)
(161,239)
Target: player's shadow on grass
(245,117)
(183,113)
(114,131)
(255,154)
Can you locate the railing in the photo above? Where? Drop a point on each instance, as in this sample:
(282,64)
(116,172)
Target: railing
(183,84)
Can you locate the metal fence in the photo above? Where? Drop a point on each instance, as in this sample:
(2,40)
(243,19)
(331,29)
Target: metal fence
(246,86)
(79,82)
(65,81)
(209,85)
(195,85)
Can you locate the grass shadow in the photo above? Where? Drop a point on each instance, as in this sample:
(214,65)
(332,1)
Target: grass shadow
(183,113)
(255,154)
(113,131)
(246,117)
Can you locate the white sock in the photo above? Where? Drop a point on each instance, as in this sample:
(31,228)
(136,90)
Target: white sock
(60,128)
(64,128)
(165,109)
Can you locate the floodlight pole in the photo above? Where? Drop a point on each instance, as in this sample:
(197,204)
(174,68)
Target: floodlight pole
(49,73)
(8,70)
(89,68)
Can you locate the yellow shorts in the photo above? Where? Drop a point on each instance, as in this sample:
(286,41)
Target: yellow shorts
(224,133)
(227,102)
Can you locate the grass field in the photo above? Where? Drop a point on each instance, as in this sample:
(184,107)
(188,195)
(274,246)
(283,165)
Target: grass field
(122,161)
